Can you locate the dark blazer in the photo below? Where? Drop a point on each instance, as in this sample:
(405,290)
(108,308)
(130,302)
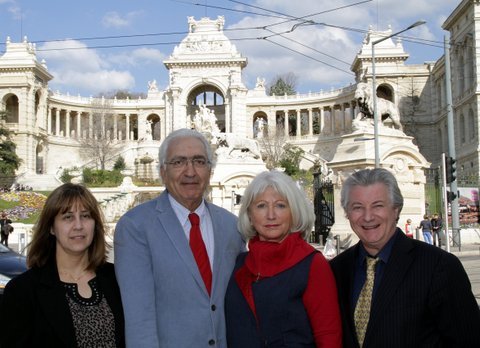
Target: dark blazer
(424,299)
(35,312)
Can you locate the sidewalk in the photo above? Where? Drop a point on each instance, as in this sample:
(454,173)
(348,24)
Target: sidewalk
(465,250)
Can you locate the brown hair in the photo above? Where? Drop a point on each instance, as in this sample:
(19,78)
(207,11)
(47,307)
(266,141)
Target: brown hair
(42,248)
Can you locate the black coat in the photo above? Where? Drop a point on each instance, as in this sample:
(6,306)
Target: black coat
(424,299)
(35,312)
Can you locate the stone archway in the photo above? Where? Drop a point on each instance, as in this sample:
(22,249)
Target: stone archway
(155,129)
(210,97)
(260,125)
(11,107)
(40,159)
(385,92)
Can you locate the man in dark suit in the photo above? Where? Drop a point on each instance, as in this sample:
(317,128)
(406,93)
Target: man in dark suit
(417,295)
(169,300)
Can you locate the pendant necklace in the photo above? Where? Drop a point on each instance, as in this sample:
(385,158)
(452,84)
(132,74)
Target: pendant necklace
(76,279)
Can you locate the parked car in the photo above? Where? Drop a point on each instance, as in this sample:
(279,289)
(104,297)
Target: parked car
(11,265)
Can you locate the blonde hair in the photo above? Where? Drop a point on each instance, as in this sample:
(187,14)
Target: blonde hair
(303,217)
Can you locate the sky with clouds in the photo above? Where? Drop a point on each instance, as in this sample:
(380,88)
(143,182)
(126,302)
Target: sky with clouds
(99,46)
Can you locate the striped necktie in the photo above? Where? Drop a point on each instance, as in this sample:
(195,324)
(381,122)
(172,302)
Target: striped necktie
(362,310)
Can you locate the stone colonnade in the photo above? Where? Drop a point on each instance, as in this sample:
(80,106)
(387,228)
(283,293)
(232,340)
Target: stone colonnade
(86,125)
(335,119)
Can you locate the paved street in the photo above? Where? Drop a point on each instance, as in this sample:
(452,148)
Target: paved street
(469,255)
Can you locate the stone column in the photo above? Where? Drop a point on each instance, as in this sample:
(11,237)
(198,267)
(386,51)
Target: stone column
(310,122)
(79,125)
(228,126)
(57,122)
(49,121)
(90,125)
(115,127)
(332,119)
(298,133)
(285,123)
(127,127)
(67,124)
(321,119)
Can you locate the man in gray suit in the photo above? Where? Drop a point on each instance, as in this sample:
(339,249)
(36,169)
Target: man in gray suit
(166,301)
(419,295)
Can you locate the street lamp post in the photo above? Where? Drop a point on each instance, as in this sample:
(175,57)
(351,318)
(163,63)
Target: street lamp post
(374,90)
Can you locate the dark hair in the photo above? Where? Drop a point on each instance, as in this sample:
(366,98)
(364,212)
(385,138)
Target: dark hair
(42,248)
(367,177)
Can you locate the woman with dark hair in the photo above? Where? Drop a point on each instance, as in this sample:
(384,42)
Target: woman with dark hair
(69,297)
(282,292)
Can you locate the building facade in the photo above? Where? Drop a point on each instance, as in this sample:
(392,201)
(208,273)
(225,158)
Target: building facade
(53,130)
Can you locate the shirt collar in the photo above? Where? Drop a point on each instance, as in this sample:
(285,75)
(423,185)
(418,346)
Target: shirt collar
(183,212)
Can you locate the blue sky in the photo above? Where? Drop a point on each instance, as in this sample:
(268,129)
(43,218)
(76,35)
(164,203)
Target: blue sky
(138,35)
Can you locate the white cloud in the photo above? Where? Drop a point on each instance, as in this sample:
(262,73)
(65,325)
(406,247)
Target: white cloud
(114,20)
(137,57)
(342,43)
(82,68)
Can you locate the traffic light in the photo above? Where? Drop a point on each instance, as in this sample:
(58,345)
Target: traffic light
(450,169)
(451,196)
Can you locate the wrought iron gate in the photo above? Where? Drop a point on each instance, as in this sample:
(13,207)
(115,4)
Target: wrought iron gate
(323,202)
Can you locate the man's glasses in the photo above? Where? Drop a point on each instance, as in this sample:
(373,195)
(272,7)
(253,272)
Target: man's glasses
(182,162)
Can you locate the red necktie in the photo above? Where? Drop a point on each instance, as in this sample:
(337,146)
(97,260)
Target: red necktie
(199,251)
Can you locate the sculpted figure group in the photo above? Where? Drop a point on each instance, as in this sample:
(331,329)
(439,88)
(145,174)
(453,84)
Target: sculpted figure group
(192,274)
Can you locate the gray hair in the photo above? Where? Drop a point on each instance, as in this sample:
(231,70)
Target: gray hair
(184,133)
(303,217)
(367,177)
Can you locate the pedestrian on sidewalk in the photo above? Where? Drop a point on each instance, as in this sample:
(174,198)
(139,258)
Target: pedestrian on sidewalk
(5,228)
(437,225)
(426,227)
(409,228)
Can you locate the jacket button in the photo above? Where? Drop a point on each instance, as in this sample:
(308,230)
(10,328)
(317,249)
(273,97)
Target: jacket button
(214,307)
(211,342)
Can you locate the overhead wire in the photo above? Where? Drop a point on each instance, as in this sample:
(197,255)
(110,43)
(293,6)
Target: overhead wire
(272,14)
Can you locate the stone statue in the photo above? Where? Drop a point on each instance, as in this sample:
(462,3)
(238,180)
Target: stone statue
(232,142)
(260,83)
(259,127)
(205,120)
(385,108)
(148,130)
(152,86)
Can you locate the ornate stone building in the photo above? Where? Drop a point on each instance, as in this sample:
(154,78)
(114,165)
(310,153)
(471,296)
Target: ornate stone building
(205,70)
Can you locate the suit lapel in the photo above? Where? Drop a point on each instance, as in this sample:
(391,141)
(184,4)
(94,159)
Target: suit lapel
(219,246)
(174,231)
(395,271)
(346,278)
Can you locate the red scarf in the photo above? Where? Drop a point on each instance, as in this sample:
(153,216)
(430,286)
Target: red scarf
(267,259)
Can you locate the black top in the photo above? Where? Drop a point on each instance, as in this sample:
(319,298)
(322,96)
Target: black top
(36,310)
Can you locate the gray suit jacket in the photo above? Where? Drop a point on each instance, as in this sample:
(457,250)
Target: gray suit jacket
(165,300)
(424,299)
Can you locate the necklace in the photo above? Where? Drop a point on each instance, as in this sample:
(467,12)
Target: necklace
(76,279)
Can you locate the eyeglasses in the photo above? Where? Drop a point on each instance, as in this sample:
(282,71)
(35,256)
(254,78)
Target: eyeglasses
(182,162)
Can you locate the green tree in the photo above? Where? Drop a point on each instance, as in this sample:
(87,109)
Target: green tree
(9,161)
(119,164)
(291,159)
(283,84)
